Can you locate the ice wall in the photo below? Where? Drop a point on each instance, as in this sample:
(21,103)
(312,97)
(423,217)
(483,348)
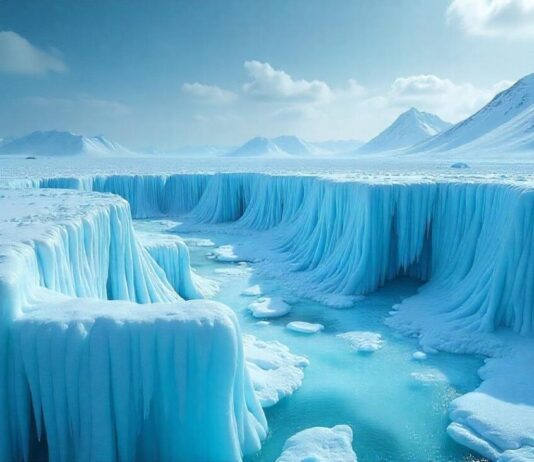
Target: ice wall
(85,378)
(348,236)
(171,254)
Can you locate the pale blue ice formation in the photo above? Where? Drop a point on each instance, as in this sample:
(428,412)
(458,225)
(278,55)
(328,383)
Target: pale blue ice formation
(100,358)
(333,238)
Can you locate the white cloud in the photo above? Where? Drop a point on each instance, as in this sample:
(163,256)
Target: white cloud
(18,56)
(452,101)
(510,18)
(270,84)
(209,93)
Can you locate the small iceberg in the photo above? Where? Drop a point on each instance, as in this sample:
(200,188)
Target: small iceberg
(320,444)
(305,327)
(269,307)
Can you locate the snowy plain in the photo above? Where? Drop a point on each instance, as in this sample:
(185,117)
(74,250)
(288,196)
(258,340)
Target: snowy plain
(316,227)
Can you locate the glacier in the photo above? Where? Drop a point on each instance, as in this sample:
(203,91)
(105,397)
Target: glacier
(335,237)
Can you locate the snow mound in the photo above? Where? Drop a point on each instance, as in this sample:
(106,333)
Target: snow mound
(56,143)
(366,342)
(409,128)
(274,370)
(320,444)
(269,307)
(305,327)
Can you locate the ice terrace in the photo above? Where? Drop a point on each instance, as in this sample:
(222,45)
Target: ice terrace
(333,238)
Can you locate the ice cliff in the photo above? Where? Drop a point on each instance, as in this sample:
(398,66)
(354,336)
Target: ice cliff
(332,238)
(100,357)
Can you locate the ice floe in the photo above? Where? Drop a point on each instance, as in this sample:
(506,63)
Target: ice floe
(366,342)
(320,444)
(275,371)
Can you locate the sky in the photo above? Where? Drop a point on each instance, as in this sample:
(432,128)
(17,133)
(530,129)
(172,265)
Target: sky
(161,74)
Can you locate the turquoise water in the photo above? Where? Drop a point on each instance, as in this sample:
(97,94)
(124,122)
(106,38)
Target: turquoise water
(393,417)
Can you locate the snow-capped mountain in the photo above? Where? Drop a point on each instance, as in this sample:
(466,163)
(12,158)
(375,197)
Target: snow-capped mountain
(409,128)
(258,147)
(59,143)
(505,123)
(281,146)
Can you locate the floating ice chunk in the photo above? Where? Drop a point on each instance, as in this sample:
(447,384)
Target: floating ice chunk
(269,307)
(274,370)
(262,323)
(428,377)
(305,327)
(419,356)
(366,342)
(225,253)
(199,242)
(459,165)
(252,291)
(320,444)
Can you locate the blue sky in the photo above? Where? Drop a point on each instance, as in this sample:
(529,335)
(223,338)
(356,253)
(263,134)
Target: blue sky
(168,73)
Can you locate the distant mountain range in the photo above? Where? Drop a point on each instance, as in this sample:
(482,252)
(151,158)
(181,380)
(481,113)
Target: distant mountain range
(505,124)
(59,143)
(409,128)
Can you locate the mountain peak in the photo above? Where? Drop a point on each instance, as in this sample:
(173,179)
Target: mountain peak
(410,127)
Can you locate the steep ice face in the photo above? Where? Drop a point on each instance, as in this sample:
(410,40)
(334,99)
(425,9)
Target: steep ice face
(110,380)
(172,255)
(57,143)
(409,128)
(510,113)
